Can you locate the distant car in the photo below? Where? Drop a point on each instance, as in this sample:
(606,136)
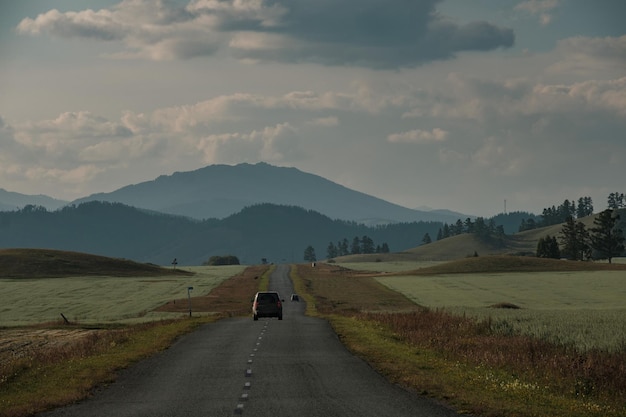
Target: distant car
(267,304)
(295,297)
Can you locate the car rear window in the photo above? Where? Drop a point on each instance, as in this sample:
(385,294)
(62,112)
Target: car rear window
(267,298)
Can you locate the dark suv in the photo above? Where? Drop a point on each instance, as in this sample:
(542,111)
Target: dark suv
(267,304)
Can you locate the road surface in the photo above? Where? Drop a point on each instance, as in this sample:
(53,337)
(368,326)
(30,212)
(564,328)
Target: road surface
(264,368)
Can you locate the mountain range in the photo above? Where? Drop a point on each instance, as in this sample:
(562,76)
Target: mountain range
(251,211)
(263,231)
(12,201)
(217,191)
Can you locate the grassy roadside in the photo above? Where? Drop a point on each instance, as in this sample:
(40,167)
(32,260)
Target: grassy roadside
(456,360)
(52,377)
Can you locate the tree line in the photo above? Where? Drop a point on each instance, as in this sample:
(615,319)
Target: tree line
(582,207)
(485,230)
(343,247)
(559,214)
(603,241)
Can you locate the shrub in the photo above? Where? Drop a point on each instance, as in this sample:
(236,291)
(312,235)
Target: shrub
(222,260)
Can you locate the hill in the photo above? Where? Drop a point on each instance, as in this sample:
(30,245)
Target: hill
(467,245)
(504,263)
(455,247)
(37,263)
(277,233)
(12,201)
(218,191)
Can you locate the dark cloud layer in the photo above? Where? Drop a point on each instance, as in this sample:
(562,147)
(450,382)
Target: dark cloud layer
(370,33)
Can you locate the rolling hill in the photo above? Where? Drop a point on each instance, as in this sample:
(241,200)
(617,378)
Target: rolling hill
(466,245)
(46,263)
(277,233)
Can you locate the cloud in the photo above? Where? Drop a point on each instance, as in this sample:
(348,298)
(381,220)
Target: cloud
(368,33)
(34,154)
(149,29)
(590,56)
(270,144)
(419,136)
(541,8)
(100,25)
(518,128)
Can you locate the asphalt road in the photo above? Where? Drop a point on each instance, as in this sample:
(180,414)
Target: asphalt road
(264,368)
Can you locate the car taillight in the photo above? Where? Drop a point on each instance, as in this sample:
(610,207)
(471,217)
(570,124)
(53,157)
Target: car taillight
(278,304)
(256,305)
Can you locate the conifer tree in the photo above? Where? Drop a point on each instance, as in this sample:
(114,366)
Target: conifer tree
(606,240)
(575,240)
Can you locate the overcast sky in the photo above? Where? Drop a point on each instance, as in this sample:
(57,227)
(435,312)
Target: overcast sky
(457,104)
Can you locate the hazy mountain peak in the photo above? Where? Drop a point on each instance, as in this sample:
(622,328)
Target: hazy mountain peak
(216,191)
(10,200)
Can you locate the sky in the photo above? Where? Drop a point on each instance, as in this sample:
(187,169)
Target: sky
(475,106)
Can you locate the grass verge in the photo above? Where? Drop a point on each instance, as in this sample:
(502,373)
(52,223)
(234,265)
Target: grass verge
(53,378)
(459,360)
(49,377)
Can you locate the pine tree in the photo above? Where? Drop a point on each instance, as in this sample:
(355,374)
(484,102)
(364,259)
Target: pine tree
(459,229)
(584,207)
(426,239)
(575,240)
(606,240)
(367,245)
(309,254)
(331,251)
(343,247)
(616,200)
(548,247)
(356,246)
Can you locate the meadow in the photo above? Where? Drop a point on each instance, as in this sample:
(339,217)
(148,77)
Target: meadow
(481,367)
(585,309)
(102,299)
(388,266)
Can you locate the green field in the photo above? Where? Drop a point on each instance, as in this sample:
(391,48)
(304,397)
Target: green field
(101,299)
(585,309)
(388,266)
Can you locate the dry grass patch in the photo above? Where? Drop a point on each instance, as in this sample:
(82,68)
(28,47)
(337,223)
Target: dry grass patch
(232,297)
(338,289)
(56,376)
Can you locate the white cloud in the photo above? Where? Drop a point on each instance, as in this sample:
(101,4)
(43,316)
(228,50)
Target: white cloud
(149,29)
(419,136)
(270,144)
(590,57)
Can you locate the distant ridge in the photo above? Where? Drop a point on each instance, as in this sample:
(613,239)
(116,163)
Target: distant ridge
(276,233)
(10,200)
(217,191)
